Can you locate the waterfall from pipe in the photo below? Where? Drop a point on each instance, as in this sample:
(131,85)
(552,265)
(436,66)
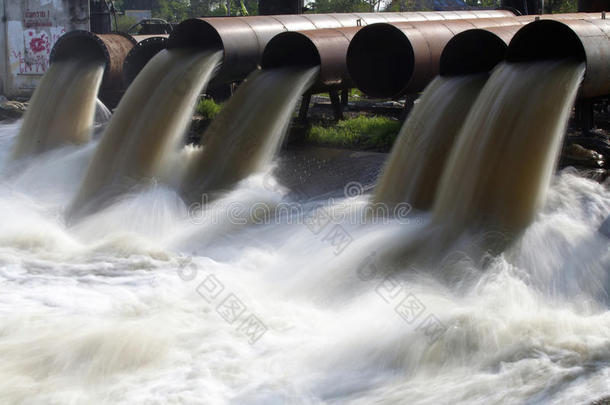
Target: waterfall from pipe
(144,301)
(418,156)
(500,167)
(246,134)
(147,127)
(62,108)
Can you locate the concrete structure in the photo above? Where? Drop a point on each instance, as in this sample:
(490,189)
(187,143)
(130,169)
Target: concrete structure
(28,31)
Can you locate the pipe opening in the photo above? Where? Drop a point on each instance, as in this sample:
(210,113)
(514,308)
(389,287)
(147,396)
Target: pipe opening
(380,60)
(290,49)
(543,40)
(140,55)
(195,33)
(472,51)
(81,44)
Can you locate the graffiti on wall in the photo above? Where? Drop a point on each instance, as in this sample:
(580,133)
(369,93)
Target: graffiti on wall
(31,43)
(41,18)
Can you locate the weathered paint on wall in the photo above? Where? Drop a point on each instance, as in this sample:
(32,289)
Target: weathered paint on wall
(29,32)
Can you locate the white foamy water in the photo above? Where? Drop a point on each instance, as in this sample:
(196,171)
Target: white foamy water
(113,310)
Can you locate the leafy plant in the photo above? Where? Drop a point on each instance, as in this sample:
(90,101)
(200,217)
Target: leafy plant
(363,132)
(208,108)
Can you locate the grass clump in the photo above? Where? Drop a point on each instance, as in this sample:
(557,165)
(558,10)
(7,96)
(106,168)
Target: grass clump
(360,132)
(208,108)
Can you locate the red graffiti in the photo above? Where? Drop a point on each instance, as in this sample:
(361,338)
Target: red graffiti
(38,45)
(32,64)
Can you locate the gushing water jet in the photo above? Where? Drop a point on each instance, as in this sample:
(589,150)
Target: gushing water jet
(246,135)
(146,129)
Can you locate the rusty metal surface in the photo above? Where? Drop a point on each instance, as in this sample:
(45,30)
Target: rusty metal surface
(118,46)
(389,60)
(586,40)
(243,39)
(325,47)
(476,50)
(111,48)
(148,46)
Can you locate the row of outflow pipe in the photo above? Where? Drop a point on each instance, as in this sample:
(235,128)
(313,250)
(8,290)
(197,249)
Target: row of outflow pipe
(123,55)
(243,40)
(385,55)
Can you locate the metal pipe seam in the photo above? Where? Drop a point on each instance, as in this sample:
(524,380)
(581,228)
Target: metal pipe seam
(147,47)
(585,40)
(390,60)
(243,39)
(109,48)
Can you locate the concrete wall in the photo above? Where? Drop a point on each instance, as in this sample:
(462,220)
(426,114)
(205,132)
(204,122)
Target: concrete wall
(29,30)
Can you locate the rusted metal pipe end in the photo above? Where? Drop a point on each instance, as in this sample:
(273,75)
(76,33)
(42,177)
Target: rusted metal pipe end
(290,49)
(326,48)
(543,40)
(472,51)
(111,49)
(195,33)
(233,35)
(140,55)
(380,60)
(79,44)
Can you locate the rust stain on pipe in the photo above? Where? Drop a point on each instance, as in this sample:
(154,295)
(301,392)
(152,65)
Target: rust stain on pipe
(585,40)
(148,46)
(325,47)
(243,39)
(389,60)
(109,48)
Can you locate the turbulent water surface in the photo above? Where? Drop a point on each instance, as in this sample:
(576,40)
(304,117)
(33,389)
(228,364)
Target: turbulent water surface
(151,301)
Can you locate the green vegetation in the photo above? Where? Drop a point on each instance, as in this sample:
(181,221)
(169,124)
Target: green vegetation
(560,6)
(178,10)
(208,108)
(342,6)
(361,132)
(355,93)
(124,22)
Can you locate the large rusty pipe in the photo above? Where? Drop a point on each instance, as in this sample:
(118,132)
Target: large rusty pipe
(477,50)
(584,40)
(390,60)
(146,48)
(326,48)
(111,49)
(243,39)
